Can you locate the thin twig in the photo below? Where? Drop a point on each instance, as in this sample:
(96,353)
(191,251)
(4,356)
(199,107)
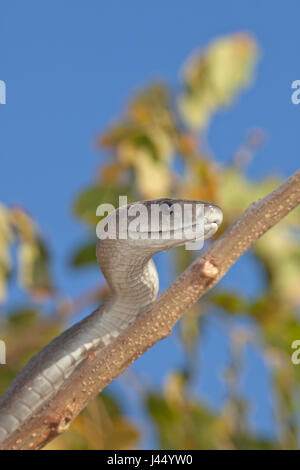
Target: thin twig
(103,366)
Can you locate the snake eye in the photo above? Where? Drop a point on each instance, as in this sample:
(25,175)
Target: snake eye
(167,208)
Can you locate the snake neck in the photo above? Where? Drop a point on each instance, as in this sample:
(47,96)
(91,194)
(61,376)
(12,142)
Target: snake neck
(133,282)
(131,276)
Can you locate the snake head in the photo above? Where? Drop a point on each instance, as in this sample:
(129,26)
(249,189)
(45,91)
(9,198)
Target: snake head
(162,224)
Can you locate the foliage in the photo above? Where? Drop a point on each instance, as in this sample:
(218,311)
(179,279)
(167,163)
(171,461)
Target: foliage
(157,148)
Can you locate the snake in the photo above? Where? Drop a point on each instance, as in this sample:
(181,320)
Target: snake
(131,275)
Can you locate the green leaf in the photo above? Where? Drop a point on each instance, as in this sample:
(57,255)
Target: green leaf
(86,254)
(23,317)
(231,302)
(33,269)
(89,199)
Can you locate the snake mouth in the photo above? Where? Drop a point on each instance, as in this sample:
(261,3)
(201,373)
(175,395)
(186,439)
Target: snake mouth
(203,228)
(208,225)
(195,232)
(202,224)
(210,230)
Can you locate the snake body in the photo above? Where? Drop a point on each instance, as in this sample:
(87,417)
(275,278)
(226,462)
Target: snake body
(133,281)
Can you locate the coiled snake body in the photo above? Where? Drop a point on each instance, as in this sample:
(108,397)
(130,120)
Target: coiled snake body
(133,281)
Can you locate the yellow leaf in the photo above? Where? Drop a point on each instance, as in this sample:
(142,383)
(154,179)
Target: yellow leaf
(153,177)
(6,238)
(213,77)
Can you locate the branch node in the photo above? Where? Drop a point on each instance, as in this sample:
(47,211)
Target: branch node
(64,424)
(209,269)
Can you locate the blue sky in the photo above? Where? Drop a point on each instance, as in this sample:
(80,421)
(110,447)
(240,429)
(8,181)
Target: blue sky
(69,68)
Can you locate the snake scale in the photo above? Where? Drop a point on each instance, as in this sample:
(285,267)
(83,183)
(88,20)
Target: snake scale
(132,278)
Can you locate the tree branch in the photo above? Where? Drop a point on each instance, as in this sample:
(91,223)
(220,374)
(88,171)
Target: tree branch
(103,366)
